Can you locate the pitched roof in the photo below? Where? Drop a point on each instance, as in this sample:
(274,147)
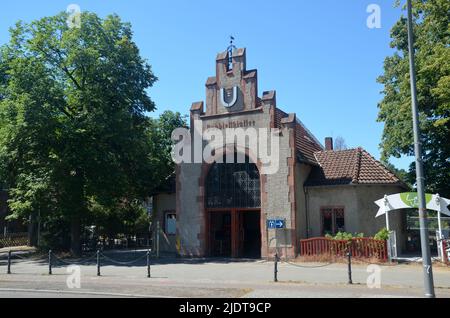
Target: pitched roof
(353,166)
(305,141)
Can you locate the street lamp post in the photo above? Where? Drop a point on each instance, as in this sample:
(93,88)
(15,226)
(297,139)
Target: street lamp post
(426,258)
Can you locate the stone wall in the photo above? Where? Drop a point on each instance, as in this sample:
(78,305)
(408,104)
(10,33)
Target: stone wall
(190,217)
(277,191)
(280,192)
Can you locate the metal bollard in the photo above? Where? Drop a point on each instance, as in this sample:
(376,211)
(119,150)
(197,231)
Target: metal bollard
(9,263)
(157,239)
(50,262)
(350,281)
(98,262)
(275,270)
(148,264)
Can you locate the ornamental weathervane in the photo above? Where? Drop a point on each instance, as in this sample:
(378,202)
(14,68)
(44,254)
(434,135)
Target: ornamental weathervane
(228,96)
(231,48)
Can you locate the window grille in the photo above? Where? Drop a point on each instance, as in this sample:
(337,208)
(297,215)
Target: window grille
(233,185)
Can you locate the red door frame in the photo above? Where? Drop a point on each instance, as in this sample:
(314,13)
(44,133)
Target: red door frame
(236,223)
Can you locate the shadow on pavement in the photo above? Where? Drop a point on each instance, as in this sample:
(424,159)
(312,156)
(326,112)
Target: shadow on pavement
(122,258)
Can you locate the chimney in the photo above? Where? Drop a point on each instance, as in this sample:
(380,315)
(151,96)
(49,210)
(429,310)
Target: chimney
(328,143)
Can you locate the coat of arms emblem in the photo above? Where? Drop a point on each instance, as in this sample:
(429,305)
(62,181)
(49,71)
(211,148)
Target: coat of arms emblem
(228,96)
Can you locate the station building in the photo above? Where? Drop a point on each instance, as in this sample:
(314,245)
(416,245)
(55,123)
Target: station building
(222,209)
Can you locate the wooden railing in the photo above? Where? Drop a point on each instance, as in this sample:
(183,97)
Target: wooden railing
(360,248)
(13,239)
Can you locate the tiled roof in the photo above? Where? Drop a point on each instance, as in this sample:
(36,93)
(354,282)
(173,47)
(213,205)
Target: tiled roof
(353,166)
(305,142)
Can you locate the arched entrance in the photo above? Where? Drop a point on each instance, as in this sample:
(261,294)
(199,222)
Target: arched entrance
(233,210)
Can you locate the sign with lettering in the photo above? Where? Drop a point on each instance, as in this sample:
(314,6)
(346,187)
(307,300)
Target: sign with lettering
(409,200)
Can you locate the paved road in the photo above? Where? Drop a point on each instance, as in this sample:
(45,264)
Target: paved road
(217,278)
(28,293)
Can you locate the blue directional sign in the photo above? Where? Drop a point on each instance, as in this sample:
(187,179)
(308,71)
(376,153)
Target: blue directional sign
(276,224)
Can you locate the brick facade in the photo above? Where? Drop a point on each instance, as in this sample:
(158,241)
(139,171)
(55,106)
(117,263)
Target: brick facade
(232,102)
(277,191)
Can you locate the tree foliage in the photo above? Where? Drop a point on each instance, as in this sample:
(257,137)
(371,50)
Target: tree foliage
(75,138)
(432,51)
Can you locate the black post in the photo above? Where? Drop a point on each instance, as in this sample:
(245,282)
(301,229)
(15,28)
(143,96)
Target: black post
(350,281)
(9,263)
(98,262)
(275,270)
(148,264)
(50,262)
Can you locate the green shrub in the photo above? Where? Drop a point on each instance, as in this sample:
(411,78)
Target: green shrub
(382,235)
(344,236)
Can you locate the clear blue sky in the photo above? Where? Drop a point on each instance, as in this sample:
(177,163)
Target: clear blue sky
(319,55)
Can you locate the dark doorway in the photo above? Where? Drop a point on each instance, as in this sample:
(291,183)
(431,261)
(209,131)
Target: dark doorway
(232,204)
(220,234)
(251,234)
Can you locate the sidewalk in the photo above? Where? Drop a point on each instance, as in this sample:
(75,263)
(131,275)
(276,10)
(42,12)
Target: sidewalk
(224,278)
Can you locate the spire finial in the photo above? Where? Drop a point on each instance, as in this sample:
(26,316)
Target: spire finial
(231,40)
(230,50)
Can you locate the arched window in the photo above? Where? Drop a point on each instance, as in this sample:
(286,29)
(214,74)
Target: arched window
(233,185)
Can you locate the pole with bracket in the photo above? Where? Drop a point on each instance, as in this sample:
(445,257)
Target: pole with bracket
(275,269)
(349,256)
(148,264)
(388,227)
(157,239)
(50,262)
(441,237)
(9,262)
(386,211)
(98,263)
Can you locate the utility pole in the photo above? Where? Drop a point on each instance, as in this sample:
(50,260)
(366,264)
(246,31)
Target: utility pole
(426,258)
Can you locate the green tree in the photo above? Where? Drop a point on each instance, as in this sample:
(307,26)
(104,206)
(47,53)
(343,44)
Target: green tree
(129,216)
(402,174)
(74,130)
(432,37)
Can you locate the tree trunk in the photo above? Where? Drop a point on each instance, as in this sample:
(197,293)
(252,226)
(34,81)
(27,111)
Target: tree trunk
(32,231)
(75,236)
